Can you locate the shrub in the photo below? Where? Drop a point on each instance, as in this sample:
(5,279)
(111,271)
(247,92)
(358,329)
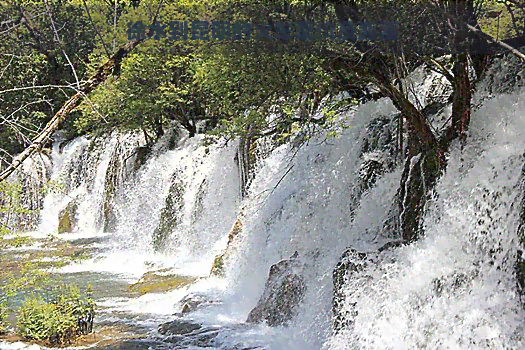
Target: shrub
(3,318)
(57,319)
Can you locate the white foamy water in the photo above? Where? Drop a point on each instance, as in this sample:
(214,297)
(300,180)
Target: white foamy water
(453,289)
(470,230)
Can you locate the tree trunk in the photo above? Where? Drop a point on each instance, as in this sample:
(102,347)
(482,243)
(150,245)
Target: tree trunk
(246,161)
(520,259)
(424,163)
(159,130)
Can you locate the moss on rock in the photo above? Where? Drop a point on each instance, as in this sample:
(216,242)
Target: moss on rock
(284,291)
(160,281)
(170,214)
(67,218)
(109,219)
(217,268)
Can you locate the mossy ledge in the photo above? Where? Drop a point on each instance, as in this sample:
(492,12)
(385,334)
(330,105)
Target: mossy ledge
(160,281)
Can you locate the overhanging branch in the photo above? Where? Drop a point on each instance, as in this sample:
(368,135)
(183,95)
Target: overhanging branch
(102,73)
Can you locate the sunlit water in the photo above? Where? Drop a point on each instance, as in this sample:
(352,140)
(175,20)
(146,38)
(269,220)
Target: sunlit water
(300,201)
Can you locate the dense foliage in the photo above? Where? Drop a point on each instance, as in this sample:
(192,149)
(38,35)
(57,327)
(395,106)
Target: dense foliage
(49,48)
(48,314)
(3,318)
(58,318)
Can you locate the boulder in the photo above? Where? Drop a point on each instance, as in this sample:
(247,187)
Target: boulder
(189,335)
(160,281)
(218,268)
(178,327)
(351,269)
(193,302)
(67,218)
(283,292)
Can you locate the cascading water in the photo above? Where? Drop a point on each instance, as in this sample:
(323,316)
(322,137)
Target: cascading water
(173,208)
(455,289)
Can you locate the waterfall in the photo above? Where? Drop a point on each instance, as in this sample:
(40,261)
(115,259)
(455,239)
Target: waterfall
(454,289)
(172,206)
(120,187)
(301,200)
(28,185)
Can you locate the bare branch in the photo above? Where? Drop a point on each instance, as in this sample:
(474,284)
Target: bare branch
(60,43)
(37,87)
(96,29)
(101,75)
(480,33)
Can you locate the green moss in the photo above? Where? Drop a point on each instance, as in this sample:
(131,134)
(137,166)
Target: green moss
(3,319)
(217,269)
(157,282)
(218,266)
(16,242)
(67,219)
(170,214)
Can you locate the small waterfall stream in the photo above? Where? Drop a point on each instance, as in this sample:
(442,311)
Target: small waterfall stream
(172,209)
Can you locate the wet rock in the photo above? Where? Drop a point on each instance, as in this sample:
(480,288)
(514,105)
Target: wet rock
(520,274)
(67,218)
(193,302)
(178,327)
(160,281)
(170,216)
(349,271)
(133,344)
(505,75)
(381,135)
(374,165)
(198,208)
(218,268)
(428,86)
(113,176)
(349,266)
(190,335)
(378,154)
(391,245)
(452,283)
(141,156)
(419,176)
(520,258)
(283,292)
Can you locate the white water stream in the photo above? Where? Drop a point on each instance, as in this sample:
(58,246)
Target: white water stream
(470,230)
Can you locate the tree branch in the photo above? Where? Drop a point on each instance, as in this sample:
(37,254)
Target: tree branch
(481,34)
(102,73)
